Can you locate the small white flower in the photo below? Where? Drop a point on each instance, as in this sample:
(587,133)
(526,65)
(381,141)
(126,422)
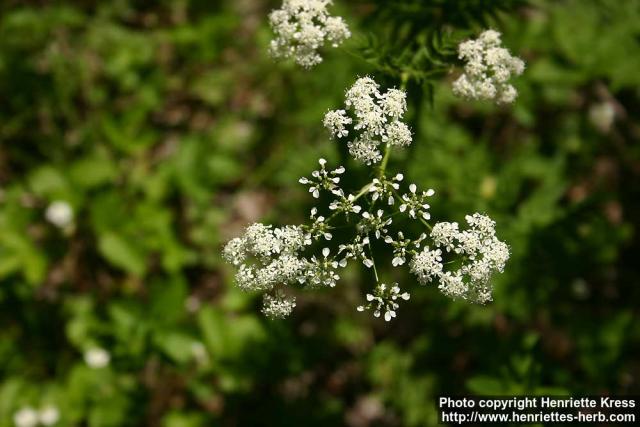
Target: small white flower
(356,250)
(488,68)
(277,307)
(97,358)
(319,228)
(49,415)
(384,188)
(376,120)
(335,122)
(452,285)
(384,300)
(427,265)
(234,251)
(60,214)
(398,134)
(483,253)
(26,417)
(322,272)
(323,179)
(302,27)
(345,204)
(400,248)
(374,223)
(415,203)
(445,234)
(394,103)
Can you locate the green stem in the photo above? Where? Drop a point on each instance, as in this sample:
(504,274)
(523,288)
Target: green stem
(375,271)
(385,160)
(422,220)
(363,191)
(404,79)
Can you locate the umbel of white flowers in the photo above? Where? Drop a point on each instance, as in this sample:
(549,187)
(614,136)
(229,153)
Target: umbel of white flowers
(483,252)
(302,27)
(384,300)
(376,120)
(271,259)
(488,69)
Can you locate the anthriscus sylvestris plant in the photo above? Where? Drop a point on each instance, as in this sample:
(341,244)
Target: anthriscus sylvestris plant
(461,260)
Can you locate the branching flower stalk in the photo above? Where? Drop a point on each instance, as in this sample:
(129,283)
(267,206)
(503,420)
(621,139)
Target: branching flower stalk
(462,261)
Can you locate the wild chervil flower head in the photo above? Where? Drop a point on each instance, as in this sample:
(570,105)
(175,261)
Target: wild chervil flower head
(416,203)
(427,264)
(488,69)
(323,179)
(321,271)
(482,255)
(370,219)
(302,27)
(384,300)
(277,307)
(376,120)
(267,256)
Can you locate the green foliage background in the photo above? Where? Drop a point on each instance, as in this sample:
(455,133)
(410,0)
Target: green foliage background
(167,128)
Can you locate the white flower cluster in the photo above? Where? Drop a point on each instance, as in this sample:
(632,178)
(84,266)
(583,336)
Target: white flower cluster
(356,250)
(376,120)
(402,246)
(487,70)
(384,300)
(277,307)
(321,272)
(29,417)
(416,203)
(302,27)
(322,179)
(481,252)
(97,358)
(374,223)
(384,188)
(267,257)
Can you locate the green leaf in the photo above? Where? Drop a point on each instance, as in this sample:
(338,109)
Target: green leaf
(484,385)
(176,345)
(122,253)
(167,300)
(93,171)
(48,182)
